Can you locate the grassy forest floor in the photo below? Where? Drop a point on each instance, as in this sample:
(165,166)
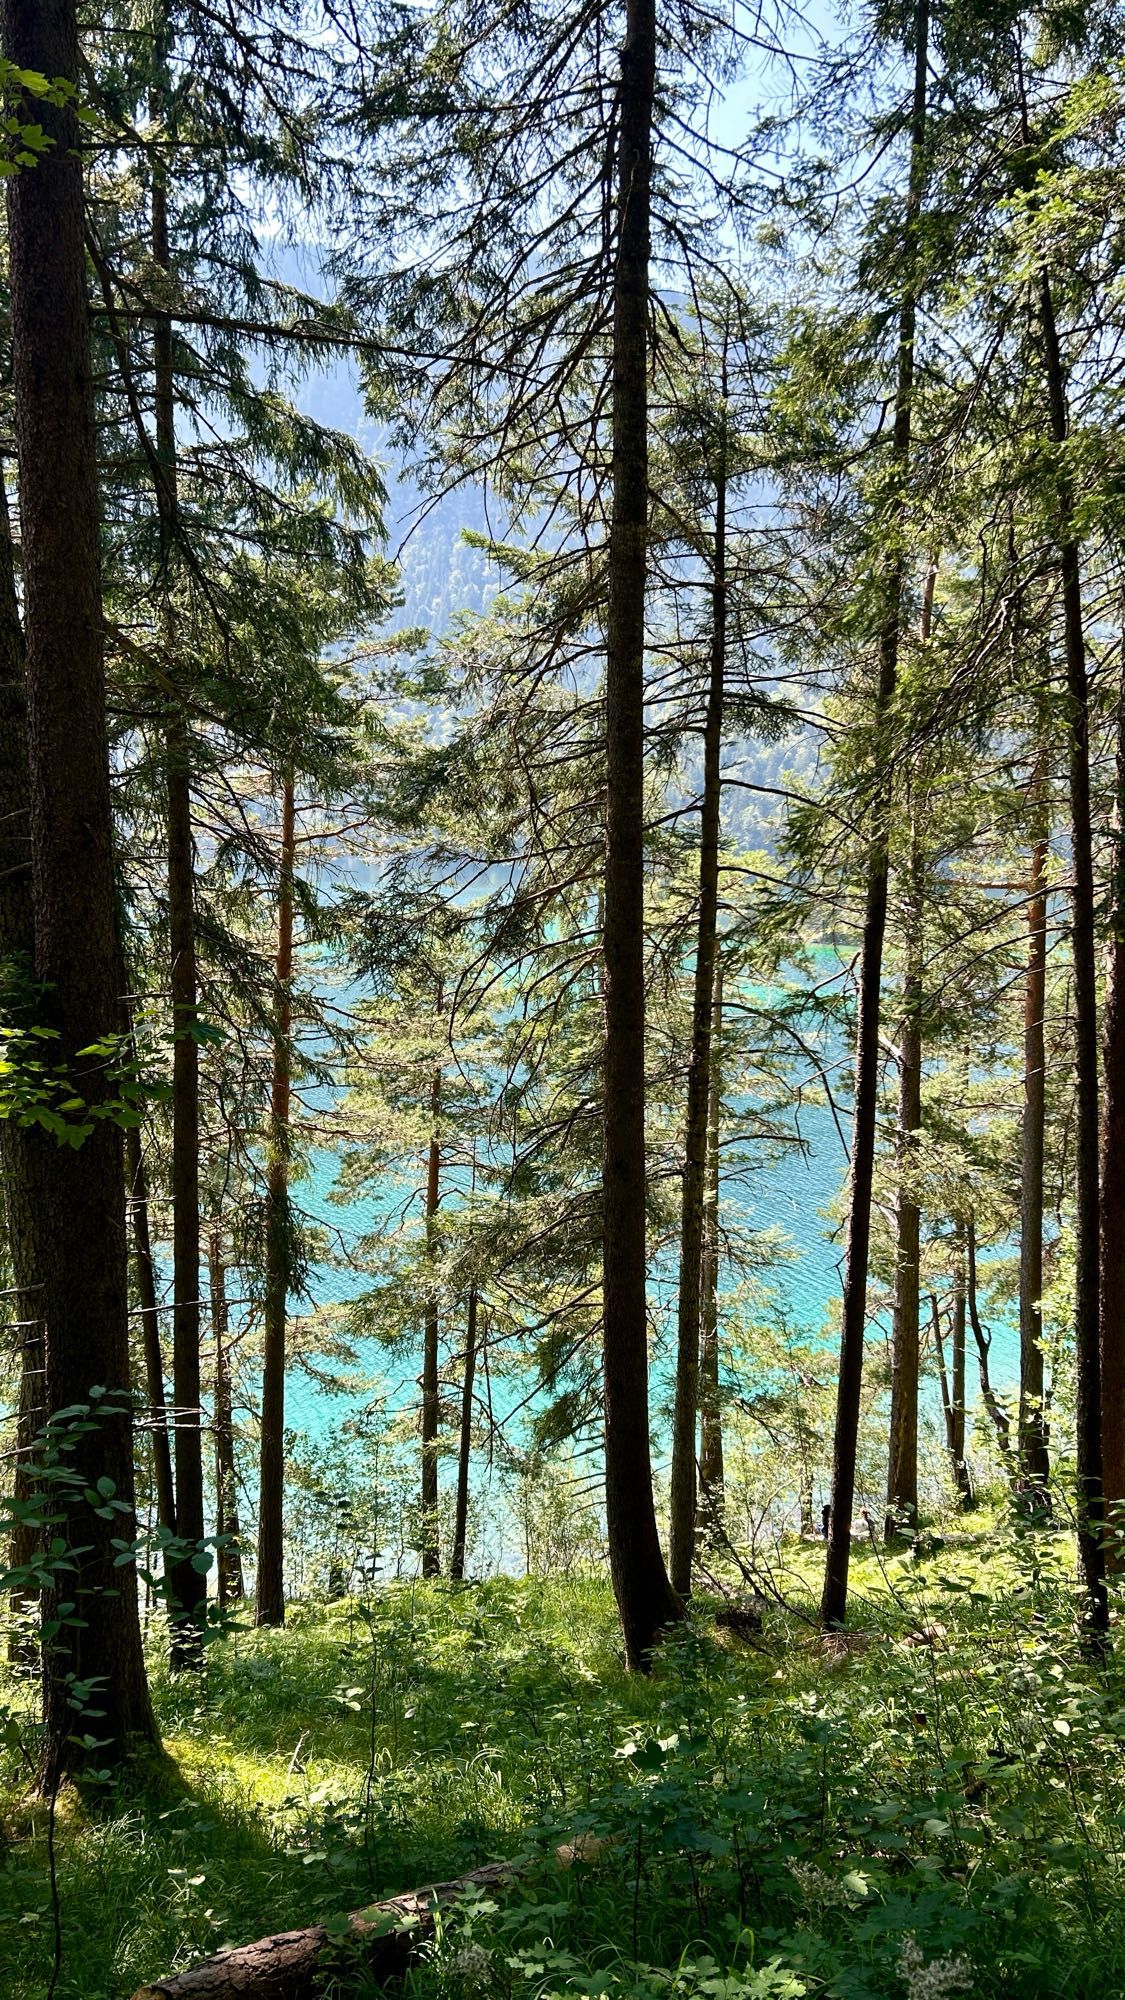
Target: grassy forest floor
(936,1807)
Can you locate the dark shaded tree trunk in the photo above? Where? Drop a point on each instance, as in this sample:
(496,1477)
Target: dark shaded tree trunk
(712,1471)
(957,1384)
(465,1444)
(645,1599)
(145,1271)
(1034,1458)
(431,1390)
(1087,1192)
(1087,1330)
(834,1599)
(902,1461)
(269,1596)
(187,1582)
(230,1584)
(1112,1300)
(682,1504)
(17,965)
(79,1194)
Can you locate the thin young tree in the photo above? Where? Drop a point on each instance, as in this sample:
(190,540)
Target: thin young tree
(683,1496)
(834,1597)
(269,1600)
(1034,1456)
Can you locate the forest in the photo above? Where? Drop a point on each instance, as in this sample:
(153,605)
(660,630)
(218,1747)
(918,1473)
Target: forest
(562,1000)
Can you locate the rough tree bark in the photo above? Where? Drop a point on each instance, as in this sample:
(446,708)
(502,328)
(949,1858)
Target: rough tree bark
(187,1583)
(230,1583)
(269,1597)
(1034,1457)
(465,1444)
(834,1599)
(1112,1300)
(1087,1192)
(292,1965)
(712,1470)
(902,1456)
(145,1271)
(17,964)
(902,1461)
(682,1504)
(79,1194)
(645,1599)
(1087,1341)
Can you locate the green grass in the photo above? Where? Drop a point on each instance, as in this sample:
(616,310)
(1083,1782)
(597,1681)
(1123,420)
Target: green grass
(778,1805)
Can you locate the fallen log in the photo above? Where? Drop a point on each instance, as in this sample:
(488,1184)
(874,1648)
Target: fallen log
(384,1937)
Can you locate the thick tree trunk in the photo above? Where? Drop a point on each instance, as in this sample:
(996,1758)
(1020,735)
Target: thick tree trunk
(145,1270)
(230,1583)
(431,1389)
(645,1599)
(269,1604)
(17,958)
(711,1466)
(834,1600)
(79,1193)
(682,1505)
(1112,1301)
(1087,1344)
(465,1444)
(902,1461)
(1034,1458)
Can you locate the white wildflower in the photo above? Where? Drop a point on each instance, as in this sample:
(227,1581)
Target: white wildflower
(821,1890)
(471,1966)
(934,1980)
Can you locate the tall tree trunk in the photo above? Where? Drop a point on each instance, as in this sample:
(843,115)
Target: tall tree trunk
(1087,1345)
(465,1444)
(834,1599)
(1112,1303)
(145,1269)
(1087,1274)
(229,1579)
(1033,1428)
(902,1462)
(431,1394)
(187,1582)
(682,1506)
(711,1466)
(79,1194)
(645,1598)
(17,962)
(269,1603)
